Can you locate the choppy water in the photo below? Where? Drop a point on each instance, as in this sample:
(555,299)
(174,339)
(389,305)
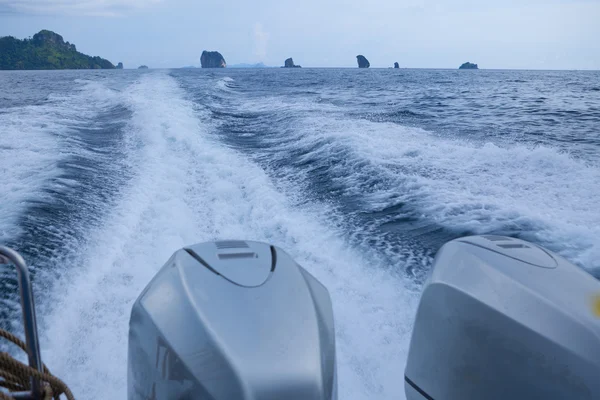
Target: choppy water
(360,174)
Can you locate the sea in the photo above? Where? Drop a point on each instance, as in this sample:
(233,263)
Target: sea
(360,174)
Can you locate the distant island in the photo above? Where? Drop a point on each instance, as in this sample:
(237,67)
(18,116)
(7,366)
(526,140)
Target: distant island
(212,59)
(362,61)
(46,50)
(289,63)
(468,65)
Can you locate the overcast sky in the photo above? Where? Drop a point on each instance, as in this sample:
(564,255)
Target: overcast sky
(535,34)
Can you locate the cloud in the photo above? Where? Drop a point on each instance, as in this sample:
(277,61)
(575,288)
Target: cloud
(260,41)
(108,8)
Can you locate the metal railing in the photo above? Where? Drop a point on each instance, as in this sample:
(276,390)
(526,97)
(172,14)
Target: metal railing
(9,256)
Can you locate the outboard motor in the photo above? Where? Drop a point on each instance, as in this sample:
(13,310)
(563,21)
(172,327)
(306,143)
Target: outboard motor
(232,320)
(501,318)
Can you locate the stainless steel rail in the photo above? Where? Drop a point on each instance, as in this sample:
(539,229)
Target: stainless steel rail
(9,256)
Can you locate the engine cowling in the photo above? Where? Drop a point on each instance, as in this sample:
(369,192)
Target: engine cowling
(232,320)
(501,318)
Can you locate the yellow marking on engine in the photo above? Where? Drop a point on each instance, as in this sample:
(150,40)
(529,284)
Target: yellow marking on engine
(596,305)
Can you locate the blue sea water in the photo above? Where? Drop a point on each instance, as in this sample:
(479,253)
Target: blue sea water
(361,175)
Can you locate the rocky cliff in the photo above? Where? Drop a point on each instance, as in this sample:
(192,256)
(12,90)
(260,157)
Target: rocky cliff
(468,65)
(362,61)
(212,59)
(289,63)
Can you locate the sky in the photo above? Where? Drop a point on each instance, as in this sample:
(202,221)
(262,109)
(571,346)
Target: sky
(512,34)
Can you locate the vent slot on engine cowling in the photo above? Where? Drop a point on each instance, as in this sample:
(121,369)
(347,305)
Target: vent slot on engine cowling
(512,245)
(231,244)
(514,248)
(494,238)
(229,256)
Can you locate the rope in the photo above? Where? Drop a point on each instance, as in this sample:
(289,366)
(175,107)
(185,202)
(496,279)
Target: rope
(16,376)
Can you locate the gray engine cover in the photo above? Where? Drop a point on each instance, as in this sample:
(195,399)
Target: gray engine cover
(501,318)
(232,320)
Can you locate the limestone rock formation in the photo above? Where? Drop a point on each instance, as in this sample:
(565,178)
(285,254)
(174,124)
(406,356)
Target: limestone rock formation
(46,50)
(212,59)
(289,63)
(362,61)
(468,65)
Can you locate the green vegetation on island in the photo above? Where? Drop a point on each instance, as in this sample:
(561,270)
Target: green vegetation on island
(46,50)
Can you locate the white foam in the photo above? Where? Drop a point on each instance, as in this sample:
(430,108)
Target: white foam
(33,140)
(459,184)
(190,188)
(226,83)
(28,159)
